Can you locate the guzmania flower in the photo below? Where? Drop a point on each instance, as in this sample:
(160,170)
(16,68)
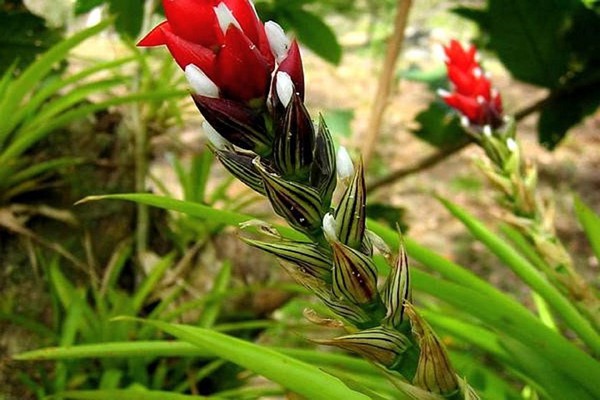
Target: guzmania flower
(472,92)
(221,44)
(243,73)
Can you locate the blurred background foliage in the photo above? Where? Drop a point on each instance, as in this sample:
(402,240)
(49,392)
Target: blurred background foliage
(78,120)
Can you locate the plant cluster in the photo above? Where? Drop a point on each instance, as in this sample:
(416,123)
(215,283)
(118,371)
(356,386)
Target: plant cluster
(456,337)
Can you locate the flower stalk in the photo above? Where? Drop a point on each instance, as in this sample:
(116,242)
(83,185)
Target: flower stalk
(261,131)
(513,176)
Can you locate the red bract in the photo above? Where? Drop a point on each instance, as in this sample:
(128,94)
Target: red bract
(472,93)
(223,38)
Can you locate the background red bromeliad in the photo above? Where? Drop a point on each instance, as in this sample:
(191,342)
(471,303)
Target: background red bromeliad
(472,95)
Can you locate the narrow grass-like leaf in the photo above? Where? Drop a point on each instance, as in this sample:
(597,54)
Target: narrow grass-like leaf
(150,282)
(23,142)
(286,371)
(526,248)
(529,275)
(129,394)
(194,209)
(590,221)
(70,99)
(220,285)
(545,377)
(519,324)
(170,348)
(50,89)
(489,383)
(40,168)
(14,95)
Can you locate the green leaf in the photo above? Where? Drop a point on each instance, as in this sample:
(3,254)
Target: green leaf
(528,38)
(129,394)
(564,110)
(315,34)
(130,14)
(22,37)
(527,272)
(569,362)
(439,127)
(84,6)
(193,209)
(30,78)
(149,283)
(286,371)
(590,221)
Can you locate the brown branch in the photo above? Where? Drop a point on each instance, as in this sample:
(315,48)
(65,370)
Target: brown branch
(384,85)
(442,154)
(421,165)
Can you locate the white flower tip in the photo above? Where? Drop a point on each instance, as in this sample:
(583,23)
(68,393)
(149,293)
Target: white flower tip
(200,83)
(511,145)
(487,130)
(329,227)
(284,87)
(278,41)
(477,72)
(344,166)
(225,17)
(443,93)
(480,99)
(218,141)
(464,121)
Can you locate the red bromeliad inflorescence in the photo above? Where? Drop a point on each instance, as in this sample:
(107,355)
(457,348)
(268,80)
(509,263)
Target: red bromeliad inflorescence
(240,70)
(228,43)
(472,92)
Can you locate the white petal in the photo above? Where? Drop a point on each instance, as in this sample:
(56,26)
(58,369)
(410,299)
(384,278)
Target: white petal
(225,17)
(487,130)
(278,41)
(464,121)
(511,145)
(443,93)
(284,87)
(329,227)
(214,137)
(200,83)
(345,168)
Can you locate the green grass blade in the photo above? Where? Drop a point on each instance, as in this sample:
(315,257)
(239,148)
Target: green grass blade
(68,100)
(449,270)
(19,89)
(487,382)
(193,209)
(129,394)
(590,221)
(41,168)
(213,308)
(549,380)
(60,83)
(23,142)
(522,326)
(286,371)
(150,282)
(170,348)
(527,272)
(525,247)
